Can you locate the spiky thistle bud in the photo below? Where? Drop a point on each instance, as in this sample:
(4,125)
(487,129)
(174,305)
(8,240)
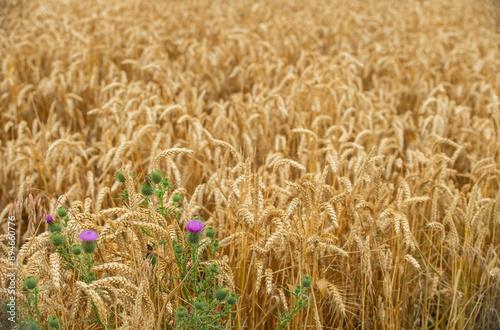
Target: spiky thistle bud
(62,211)
(89,247)
(53,322)
(177,249)
(232,299)
(30,282)
(221,294)
(176,198)
(57,239)
(210,232)
(156,176)
(216,243)
(55,227)
(199,304)
(76,249)
(146,189)
(194,238)
(120,177)
(306,281)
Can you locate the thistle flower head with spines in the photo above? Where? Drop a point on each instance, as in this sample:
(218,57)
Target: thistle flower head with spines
(210,232)
(88,235)
(156,176)
(30,282)
(57,239)
(177,249)
(62,211)
(232,299)
(176,198)
(49,219)
(194,226)
(76,249)
(199,304)
(306,281)
(147,189)
(55,227)
(181,312)
(53,322)
(221,294)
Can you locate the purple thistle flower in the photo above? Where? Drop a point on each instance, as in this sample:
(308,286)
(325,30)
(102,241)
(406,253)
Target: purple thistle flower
(194,226)
(49,219)
(88,235)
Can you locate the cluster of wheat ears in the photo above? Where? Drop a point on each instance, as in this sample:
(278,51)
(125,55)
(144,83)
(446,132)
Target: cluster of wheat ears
(353,141)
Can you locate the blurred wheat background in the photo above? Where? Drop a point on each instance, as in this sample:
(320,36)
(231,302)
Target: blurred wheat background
(354,141)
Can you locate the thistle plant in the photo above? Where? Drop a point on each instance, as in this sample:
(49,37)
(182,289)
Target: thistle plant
(207,304)
(53,322)
(205,301)
(70,249)
(89,246)
(52,225)
(50,219)
(31,291)
(205,297)
(66,248)
(155,185)
(88,238)
(301,301)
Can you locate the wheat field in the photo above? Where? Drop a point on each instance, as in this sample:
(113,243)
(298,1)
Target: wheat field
(356,142)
